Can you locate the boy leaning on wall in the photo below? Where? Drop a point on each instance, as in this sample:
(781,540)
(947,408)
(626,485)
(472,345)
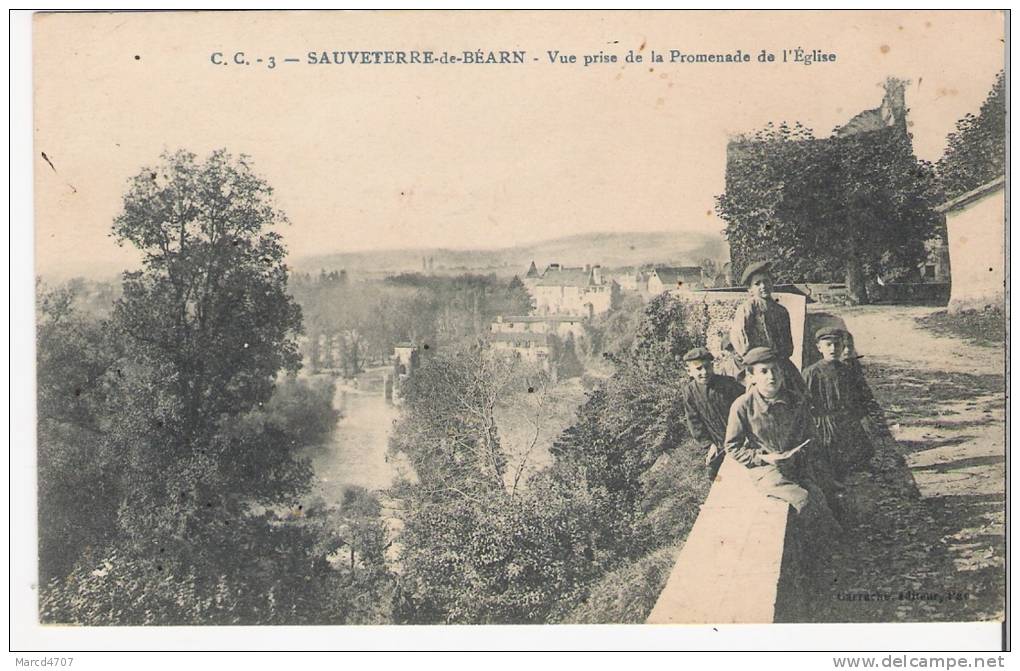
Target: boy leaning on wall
(706,398)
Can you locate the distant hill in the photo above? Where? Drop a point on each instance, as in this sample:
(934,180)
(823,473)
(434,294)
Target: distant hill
(611,250)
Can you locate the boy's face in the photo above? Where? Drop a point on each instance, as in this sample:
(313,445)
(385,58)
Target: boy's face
(831,348)
(761,286)
(700,371)
(848,350)
(767,378)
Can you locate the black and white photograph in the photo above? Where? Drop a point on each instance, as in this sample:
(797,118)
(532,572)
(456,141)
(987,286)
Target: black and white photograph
(680,319)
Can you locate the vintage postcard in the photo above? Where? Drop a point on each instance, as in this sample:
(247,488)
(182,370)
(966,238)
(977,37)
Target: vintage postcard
(520,317)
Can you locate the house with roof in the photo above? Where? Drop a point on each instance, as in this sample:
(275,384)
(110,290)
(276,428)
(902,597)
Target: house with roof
(581,291)
(668,278)
(532,347)
(975,227)
(560,325)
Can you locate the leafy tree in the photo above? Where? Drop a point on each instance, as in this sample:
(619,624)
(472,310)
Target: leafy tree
(302,410)
(448,431)
(181,433)
(208,324)
(563,356)
(847,207)
(497,559)
(976,151)
(477,545)
(612,332)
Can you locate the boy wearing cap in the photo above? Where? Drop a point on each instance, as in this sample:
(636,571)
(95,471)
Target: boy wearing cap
(762,322)
(770,432)
(767,429)
(838,406)
(706,399)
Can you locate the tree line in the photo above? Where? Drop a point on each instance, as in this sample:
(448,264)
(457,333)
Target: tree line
(351,324)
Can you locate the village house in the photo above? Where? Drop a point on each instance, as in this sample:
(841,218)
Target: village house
(572,291)
(530,346)
(668,278)
(561,326)
(628,278)
(975,226)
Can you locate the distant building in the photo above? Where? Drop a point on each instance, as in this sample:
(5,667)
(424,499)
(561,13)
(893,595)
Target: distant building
(572,291)
(975,227)
(405,357)
(530,278)
(892,113)
(667,278)
(405,361)
(532,347)
(628,279)
(559,325)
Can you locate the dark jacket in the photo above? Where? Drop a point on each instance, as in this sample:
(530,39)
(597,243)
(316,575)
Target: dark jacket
(707,407)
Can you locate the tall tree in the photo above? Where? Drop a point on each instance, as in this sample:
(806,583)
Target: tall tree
(78,473)
(207,325)
(181,436)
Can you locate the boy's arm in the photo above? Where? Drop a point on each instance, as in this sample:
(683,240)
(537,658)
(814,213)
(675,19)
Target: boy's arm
(737,444)
(738,330)
(695,425)
(785,335)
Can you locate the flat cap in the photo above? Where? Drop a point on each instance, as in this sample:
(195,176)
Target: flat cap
(829,332)
(757,267)
(698,354)
(759,355)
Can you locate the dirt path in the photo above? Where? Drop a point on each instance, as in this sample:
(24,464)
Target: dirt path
(944,402)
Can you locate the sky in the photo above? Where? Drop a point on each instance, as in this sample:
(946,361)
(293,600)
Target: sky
(387,156)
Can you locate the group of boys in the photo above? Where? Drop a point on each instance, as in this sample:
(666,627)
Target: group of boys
(796,434)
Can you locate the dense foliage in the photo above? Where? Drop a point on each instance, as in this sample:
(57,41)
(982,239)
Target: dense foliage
(480,546)
(847,208)
(976,151)
(165,440)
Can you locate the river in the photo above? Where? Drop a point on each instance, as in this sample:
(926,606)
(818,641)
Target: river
(356,452)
